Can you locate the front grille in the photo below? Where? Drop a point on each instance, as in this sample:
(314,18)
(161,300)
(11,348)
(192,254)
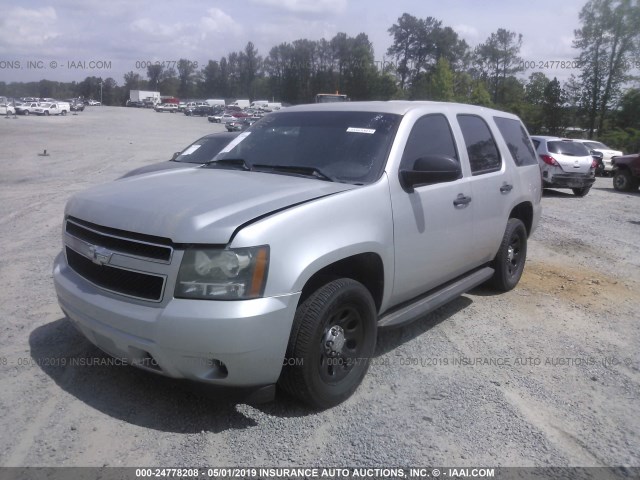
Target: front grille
(128,243)
(117,280)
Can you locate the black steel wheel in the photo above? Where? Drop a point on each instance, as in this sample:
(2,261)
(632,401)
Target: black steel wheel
(332,340)
(509,262)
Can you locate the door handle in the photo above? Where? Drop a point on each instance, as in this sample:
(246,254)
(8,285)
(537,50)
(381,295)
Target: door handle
(461,201)
(506,188)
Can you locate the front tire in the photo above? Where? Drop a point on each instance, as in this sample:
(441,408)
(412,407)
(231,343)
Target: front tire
(623,181)
(332,339)
(510,259)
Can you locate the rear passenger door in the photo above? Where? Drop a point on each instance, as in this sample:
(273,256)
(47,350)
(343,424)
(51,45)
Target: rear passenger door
(432,227)
(491,186)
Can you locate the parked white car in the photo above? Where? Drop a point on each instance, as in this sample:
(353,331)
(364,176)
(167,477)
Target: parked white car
(166,107)
(26,108)
(221,118)
(55,108)
(565,164)
(7,109)
(607,154)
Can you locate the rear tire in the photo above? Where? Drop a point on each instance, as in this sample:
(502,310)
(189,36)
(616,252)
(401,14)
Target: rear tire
(46,113)
(623,181)
(510,259)
(26,113)
(581,192)
(332,339)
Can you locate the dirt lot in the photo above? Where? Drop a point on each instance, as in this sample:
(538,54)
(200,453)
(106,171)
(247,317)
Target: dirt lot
(547,374)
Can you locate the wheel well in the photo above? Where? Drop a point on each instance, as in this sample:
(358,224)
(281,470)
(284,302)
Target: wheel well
(524,212)
(365,268)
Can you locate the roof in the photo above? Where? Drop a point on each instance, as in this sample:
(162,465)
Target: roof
(398,107)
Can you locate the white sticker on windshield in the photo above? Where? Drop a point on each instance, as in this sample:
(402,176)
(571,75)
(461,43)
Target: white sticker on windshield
(190,150)
(235,142)
(370,131)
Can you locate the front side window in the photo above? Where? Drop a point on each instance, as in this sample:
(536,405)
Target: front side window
(484,156)
(430,135)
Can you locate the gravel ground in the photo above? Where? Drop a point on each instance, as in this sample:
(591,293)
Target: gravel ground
(545,375)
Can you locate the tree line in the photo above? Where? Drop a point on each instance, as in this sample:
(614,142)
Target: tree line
(427,60)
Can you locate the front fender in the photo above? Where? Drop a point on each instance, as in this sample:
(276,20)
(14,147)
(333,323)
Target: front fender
(308,237)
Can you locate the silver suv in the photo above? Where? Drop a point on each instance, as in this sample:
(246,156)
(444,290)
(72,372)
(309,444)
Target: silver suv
(277,261)
(565,163)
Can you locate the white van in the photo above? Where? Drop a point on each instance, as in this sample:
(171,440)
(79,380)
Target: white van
(241,103)
(212,102)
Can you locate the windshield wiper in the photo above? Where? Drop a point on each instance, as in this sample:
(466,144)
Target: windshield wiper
(231,162)
(297,169)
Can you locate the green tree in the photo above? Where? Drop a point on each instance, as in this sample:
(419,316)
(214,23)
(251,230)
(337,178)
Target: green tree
(534,90)
(406,40)
(154,74)
(480,95)
(133,81)
(607,39)
(497,59)
(553,108)
(442,82)
(629,112)
(250,66)
(186,72)
(418,45)
(169,83)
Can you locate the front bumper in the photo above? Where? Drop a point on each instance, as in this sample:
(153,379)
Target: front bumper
(568,180)
(225,343)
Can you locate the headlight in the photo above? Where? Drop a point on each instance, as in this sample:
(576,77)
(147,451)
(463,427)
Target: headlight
(223,274)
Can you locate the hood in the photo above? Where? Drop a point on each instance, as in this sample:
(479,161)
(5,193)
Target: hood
(157,167)
(609,154)
(194,205)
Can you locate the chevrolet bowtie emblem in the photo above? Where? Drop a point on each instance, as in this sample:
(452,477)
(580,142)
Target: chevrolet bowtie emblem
(99,255)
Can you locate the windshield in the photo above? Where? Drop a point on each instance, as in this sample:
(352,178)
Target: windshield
(349,147)
(204,149)
(572,149)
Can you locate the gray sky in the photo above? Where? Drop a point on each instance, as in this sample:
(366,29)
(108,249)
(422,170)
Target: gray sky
(48,39)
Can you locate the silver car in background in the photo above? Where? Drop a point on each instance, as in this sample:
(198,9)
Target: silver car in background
(565,163)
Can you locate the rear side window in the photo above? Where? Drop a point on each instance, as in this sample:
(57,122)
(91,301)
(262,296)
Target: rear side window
(431,135)
(567,147)
(517,140)
(481,147)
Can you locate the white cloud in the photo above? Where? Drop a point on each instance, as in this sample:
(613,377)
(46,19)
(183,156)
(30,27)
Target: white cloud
(306,6)
(468,32)
(156,29)
(22,27)
(218,21)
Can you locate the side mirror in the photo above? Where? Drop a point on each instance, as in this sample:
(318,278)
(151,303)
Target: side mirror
(429,170)
(175,155)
